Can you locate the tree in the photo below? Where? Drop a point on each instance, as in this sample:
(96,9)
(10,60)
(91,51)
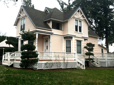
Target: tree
(100,15)
(25,2)
(28,3)
(12,41)
(89,48)
(29,56)
(2,38)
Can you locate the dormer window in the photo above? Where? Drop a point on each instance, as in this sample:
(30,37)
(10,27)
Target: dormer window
(56,25)
(78,26)
(22,24)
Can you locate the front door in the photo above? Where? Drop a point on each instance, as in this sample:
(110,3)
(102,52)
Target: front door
(46,47)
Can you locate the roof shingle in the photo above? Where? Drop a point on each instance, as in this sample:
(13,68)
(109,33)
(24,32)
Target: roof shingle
(37,17)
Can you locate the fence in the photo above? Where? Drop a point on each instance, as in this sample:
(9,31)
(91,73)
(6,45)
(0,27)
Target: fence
(105,60)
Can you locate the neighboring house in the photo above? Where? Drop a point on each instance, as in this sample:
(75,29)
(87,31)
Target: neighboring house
(56,31)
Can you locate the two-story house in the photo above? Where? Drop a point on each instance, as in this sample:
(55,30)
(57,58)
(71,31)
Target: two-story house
(59,36)
(56,31)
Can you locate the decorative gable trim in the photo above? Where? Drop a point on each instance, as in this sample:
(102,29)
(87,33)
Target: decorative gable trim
(82,15)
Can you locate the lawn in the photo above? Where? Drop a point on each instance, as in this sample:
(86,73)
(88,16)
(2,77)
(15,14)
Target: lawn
(10,76)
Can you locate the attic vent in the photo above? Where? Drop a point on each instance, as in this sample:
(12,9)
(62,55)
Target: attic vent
(46,11)
(22,10)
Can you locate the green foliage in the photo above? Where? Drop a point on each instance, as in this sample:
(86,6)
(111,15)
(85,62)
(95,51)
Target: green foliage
(28,3)
(9,49)
(2,38)
(29,56)
(28,36)
(12,41)
(89,47)
(95,76)
(28,47)
(89,53)
(26,63)
(100,15)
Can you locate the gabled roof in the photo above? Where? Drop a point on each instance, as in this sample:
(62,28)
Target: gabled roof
(55,14)
(49,9)
(36,17)
(91,33)
(39,18)
(102,46)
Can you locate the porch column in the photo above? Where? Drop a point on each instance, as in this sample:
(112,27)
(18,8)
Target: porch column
(63,44)
(36,41)
(73,44)
(19,44)
(50,43)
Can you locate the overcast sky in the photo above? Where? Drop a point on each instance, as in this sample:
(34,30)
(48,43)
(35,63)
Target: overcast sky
(9,14)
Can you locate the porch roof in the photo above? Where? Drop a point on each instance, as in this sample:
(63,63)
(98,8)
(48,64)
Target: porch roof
(42,32)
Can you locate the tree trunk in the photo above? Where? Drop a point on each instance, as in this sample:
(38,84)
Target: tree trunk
(106,37)
(107,45)
(89,61)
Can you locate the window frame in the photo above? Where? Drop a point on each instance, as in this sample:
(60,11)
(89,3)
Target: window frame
(102,50)
(77,48)
(22,23)
(60,25)
(78,27)
(70,46)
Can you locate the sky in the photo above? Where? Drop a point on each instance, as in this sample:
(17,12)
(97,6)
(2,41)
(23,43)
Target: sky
(9,13)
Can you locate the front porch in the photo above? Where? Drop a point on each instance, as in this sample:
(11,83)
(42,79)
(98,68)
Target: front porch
(48,60)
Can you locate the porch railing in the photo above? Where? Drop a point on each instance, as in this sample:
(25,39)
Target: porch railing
(105,59)
(10,57)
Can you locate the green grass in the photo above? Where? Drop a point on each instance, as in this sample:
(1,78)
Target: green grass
(10,76)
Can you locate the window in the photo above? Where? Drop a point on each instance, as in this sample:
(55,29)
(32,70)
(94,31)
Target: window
(68,46)
(79,47)
(22,24)
(56,25)
(102,50)
(78,26)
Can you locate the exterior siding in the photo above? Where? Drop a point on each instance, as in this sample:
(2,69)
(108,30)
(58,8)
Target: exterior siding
(97,48)
(57,43)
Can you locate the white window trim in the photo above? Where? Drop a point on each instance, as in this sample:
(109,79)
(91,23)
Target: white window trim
(20,23)
(81,47)
(78,26)
(71,46)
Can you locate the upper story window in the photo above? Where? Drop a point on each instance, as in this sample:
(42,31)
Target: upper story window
(56,25)
(22,24)
(78,26)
